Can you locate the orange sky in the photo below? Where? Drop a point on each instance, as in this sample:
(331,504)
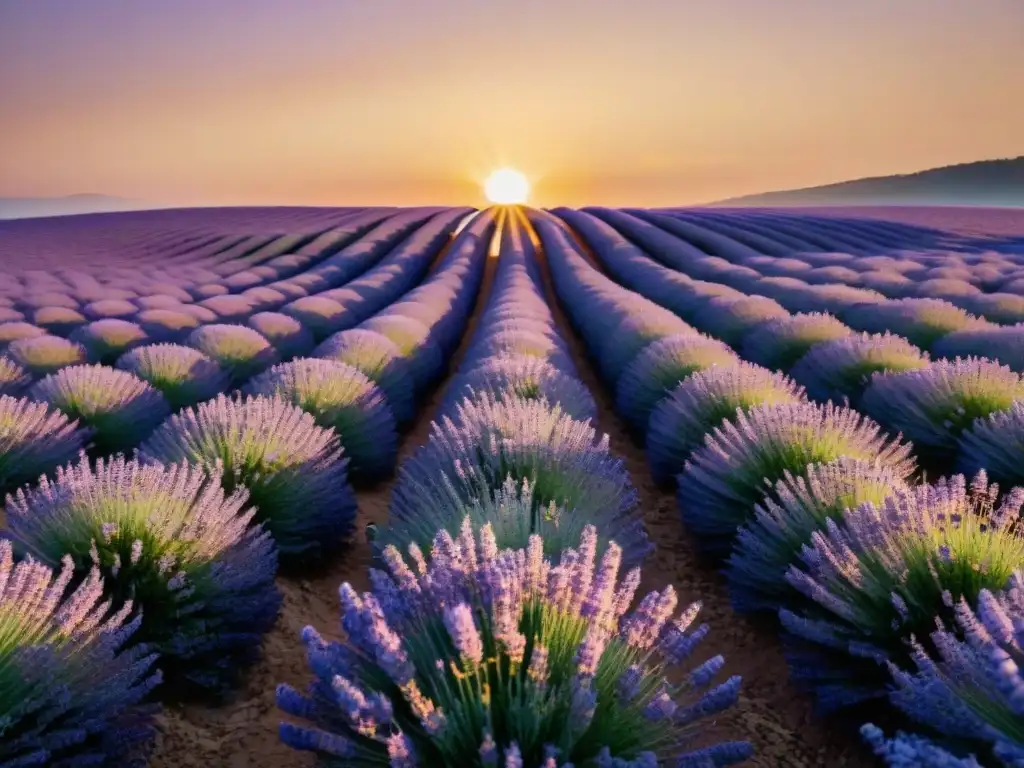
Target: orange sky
(645,102)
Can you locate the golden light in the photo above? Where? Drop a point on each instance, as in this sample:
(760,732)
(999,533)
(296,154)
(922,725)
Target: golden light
(507,186)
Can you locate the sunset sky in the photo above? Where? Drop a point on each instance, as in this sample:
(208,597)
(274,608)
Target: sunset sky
(618,102)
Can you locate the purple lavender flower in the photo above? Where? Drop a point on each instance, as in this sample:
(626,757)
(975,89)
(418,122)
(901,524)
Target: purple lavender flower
(15,330)
(119,407)
(238,350)
(293,469)
(785,520)
(166,325)
(414,343)
(729,318)
(106,340)
(842,368)
(69,694)
(380,360)
(633,334)
(932,406)
(104,308)
(183,375)
(678,423)
(911,751)
(169,538)
(430,645)
(723,480)
(929,545)
(779,343)
(660,368)
(34,439)
(1004,344)
(319,314)
(974,690)
(60,321)
(995,444)
(340,397)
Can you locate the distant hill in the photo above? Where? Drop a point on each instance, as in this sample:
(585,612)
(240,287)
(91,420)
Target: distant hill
(984,183)
(33,207)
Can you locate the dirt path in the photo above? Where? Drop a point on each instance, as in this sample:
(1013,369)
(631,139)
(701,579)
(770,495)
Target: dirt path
(242,733)
(772,713)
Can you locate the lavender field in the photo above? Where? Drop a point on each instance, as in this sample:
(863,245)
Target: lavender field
(571,487)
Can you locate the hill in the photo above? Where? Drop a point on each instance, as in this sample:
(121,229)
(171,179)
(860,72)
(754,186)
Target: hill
(34,207)
(983,183)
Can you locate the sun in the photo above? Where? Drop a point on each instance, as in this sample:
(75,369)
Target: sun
(507,186)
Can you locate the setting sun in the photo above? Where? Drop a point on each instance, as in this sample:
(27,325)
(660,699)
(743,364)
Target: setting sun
(507,186)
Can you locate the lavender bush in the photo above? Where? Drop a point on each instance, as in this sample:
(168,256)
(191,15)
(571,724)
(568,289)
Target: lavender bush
(878,577)
(912,751)
(287,335)
(922,321)
(973,691)
(660,367)
(522,377)
(168,542)
(43,355)
(293,469)
(932,406)
(412,338)
(724,479)
(183,375)
(68,694)
(106,340)
(729,318)
(340,397)
(60,321)
(380,360)
(34,439)
(489,441)
(483,656)
(240,351)
(785,519)
(679,422)
(842,368)
(120,408)
(13,378)
(778,344)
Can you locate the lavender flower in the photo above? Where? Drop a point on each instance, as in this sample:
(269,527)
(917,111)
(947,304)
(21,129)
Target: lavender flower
(489,441)
(779,343)
(120,408)
(842,368)
(933,405)
(741,459)
(69,694)
(288,336)
(166,325)
(293,469)
(922,321)
(34,439)
(784,521)
(1005,344)
(104,308)
(660,367)
(910,751)
(13,378)
(60,321)
(183,375)
(678,423)
(973,691)
(238,350)
(322,316)
(380,360)
(106,340)
(503,342)
(447,665)
(340,397)
(523,377)
(878,577)
(228,308)
(168,540)
(43,355)
(995,444)
(635,332)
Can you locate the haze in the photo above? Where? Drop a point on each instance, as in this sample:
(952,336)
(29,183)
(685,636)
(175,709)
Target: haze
(405,102)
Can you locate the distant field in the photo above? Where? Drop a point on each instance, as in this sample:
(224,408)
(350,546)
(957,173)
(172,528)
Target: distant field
(360,377)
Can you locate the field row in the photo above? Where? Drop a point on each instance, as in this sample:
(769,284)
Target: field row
(259,382)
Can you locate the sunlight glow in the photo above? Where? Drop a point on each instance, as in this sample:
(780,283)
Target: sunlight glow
(507,186)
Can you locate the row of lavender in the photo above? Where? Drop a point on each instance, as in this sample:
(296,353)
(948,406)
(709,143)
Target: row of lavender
(172,556)
(856,562)
(515,642)
(962,413)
